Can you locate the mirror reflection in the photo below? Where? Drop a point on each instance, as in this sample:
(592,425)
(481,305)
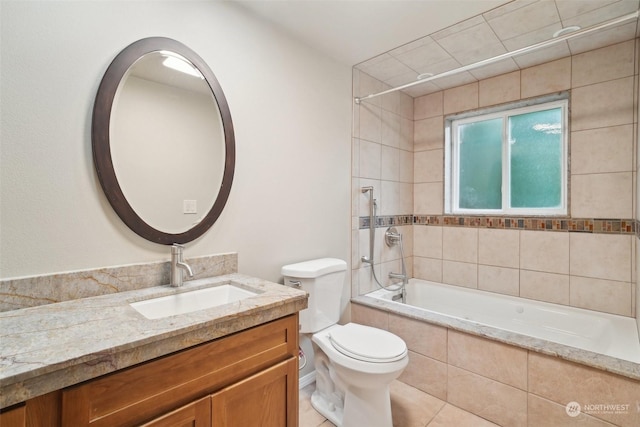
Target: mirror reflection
(167,141)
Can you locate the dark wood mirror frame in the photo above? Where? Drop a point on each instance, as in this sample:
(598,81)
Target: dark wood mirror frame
(100,138)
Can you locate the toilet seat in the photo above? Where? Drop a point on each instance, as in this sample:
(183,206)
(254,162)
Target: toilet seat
(367,344)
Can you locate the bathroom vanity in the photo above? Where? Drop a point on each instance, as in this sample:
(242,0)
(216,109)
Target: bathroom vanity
(234,364)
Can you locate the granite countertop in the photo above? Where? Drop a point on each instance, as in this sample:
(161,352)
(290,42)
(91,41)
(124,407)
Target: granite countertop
(53,346)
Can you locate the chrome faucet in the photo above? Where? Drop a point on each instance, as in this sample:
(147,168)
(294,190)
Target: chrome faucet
(177,265)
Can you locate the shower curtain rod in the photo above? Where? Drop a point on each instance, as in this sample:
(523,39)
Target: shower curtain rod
(506,55)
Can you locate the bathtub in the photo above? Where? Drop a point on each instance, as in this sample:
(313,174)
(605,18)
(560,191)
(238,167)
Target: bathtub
(555,328)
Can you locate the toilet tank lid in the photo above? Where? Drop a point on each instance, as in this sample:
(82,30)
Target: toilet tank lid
(314,268)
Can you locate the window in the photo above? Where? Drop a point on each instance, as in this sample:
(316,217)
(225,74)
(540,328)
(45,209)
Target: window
(508,161)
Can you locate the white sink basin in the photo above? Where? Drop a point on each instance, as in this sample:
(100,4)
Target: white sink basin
(189,301)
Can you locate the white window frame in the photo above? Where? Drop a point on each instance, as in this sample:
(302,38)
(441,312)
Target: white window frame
(452,158)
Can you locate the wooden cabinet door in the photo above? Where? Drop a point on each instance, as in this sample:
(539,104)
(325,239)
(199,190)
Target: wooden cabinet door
(267,399)
(15,417)
(196,414)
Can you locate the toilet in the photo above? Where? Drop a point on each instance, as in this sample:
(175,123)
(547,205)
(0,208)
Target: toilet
(354,363)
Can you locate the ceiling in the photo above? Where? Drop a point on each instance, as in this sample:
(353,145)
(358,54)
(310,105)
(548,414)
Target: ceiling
(396,40)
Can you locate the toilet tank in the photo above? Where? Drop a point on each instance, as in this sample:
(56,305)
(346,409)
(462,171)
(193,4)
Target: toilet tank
(323,279)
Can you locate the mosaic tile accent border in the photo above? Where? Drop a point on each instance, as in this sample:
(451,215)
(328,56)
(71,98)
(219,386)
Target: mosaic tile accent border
(584,225)
(388,221)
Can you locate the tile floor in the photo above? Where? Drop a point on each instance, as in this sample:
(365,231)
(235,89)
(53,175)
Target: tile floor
(410,407)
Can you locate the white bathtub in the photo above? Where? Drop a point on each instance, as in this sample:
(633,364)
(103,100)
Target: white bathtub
(602,333)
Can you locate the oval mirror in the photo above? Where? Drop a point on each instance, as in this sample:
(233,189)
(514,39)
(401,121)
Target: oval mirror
(163,141)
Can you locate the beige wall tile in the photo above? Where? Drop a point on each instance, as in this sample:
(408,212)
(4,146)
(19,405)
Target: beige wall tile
(499,279)
(614,106)
(365,280)
(504,66)
(370,122)
(428,134)
(492,400)
(499,89)
(460,274)
(501,362)
(428,166)
(607,149)
(405,105)
(366,85)
(391,102)
(563,382)
(427,269)
(390,129)
(390,163)
(428,198)
(601,295)
(427,241)
(406,167)
(370,159)
(423,338)
(461,98)
(355,158)
(426,374)
(544,413)
(608,36)
(546,78)
(499,247)
(544,251)
(607,63)
(428,106)
(523,19)
(547,54)
(549,287)
(369,316)
(460,244)
(602,256)
(602,195)
(406,134)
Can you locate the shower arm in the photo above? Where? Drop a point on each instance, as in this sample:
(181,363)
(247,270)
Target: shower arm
(372,229)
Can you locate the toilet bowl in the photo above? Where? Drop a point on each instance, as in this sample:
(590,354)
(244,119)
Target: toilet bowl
(354,363)
(361,362)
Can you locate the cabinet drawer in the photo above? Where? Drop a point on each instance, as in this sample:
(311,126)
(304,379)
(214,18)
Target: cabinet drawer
(142,392)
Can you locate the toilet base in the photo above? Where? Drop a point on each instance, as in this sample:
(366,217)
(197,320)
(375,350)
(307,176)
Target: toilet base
(371,408)
(327,409)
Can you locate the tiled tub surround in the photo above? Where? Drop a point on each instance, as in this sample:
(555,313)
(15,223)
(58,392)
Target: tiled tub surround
(507,379)
(47,289)
(593,269)
(511,385)
(52,346)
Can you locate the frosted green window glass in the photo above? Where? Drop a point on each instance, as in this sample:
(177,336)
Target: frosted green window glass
(509,159)
(535,144)
(480,157)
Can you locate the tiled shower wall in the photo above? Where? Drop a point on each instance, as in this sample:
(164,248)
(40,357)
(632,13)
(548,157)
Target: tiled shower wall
(570,264)
(382,158)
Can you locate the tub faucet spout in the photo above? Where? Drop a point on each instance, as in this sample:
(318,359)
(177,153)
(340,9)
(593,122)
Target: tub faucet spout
(178,265)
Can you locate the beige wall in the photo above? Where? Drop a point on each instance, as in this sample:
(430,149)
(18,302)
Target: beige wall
(589,270)
(290,107)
